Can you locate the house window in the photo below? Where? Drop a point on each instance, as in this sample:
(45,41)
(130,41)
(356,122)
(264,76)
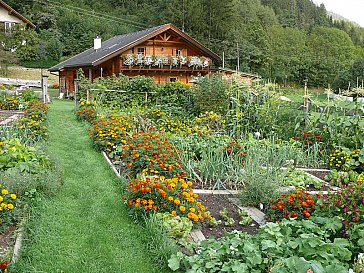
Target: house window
(172,79)
(141,50)
(178,52)
(8,27)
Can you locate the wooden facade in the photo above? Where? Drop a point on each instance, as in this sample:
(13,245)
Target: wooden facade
(167,42)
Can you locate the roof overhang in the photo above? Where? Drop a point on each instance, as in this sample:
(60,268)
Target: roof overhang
(164,28)
(17,14)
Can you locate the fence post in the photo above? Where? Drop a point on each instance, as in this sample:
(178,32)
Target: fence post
(45,88)
(76,90)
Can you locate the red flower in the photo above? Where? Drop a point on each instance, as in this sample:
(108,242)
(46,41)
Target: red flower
(4,265)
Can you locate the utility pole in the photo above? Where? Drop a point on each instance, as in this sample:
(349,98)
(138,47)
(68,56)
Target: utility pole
(223,59)
(237,50)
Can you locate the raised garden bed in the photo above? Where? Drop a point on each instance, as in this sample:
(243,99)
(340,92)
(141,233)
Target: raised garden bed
(7,116)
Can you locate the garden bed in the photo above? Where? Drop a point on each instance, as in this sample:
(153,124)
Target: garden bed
(215,203)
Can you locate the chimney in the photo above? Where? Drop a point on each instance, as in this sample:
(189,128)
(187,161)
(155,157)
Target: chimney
(97,43)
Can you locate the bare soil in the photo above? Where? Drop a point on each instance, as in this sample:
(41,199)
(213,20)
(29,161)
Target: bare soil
(319,174)
(7,239)
(215,203)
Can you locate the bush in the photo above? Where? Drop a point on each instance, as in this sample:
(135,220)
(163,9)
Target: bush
(107,133)
(87,111)
(174,195)
(46,181)
(34,121)
(347,203)
(211,94)
(149,153)
(29,95)
(7,207)
(296,204)
(10,102)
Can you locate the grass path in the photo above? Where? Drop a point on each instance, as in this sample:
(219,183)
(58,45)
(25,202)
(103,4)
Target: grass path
(85,227)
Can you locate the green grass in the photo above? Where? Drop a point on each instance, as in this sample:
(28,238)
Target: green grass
(85,227)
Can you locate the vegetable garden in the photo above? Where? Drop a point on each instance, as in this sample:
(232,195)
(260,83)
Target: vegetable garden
(171,144)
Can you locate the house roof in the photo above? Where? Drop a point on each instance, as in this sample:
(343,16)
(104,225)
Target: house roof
(16,14)
(244,74)
(121,43)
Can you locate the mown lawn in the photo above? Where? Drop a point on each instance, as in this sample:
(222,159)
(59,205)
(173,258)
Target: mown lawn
(85,227)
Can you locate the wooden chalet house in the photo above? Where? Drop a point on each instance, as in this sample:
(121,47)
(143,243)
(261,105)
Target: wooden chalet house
(9,18)
(164,53)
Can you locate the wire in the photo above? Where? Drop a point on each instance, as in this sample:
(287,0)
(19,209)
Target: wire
(93,13)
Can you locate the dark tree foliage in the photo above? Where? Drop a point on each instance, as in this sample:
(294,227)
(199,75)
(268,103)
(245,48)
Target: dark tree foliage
(279,39)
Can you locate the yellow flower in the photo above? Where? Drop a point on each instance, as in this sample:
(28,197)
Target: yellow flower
(4,192)
(182,208)
(10,206)
(177,202)
(1,198)
(170,198)
(192,209)
(13,196)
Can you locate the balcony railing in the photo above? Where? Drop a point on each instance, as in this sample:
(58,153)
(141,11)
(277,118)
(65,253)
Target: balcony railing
(160,61)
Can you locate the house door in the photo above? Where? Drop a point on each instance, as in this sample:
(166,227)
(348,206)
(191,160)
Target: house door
(62,84)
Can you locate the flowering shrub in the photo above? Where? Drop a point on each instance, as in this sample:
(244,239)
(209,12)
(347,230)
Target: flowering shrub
(34,121)
(212,121)
(107,133)
(338,159)
(175,126)
(347,203)
(86,111)
(173,195)
(4,265)
(344,159)
(297,204)
(10,103)
(7,208)
(309,138)
(360,178)
(150,153)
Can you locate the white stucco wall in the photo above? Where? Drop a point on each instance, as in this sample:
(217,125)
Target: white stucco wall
(6,17)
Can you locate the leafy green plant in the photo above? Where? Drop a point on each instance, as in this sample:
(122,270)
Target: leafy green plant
(28,159)
(337,178)
(298,179)
(176,227)
(228,221)
(289,246)
(245,219)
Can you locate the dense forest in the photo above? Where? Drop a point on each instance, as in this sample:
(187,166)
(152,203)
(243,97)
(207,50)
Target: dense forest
(278,39)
